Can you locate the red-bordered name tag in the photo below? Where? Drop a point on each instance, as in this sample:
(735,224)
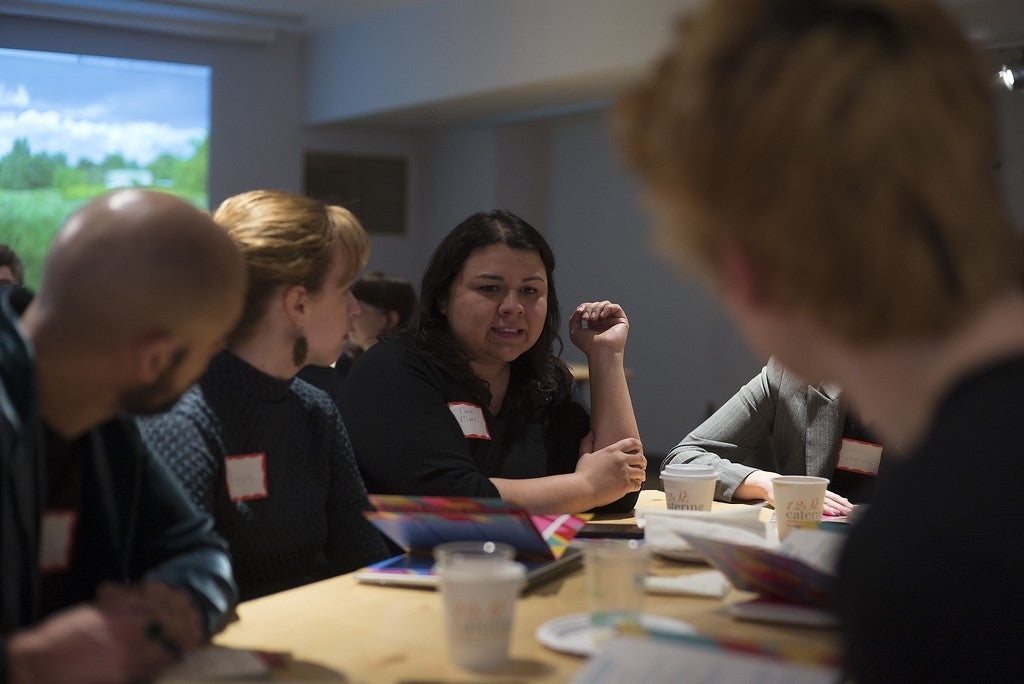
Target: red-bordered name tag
(58,537)
(859,457)
(246,477)
(471,419)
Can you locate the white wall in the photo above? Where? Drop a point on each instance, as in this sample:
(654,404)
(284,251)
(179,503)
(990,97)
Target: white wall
(563,177)
(456,51)
(682,351)
(1011,111)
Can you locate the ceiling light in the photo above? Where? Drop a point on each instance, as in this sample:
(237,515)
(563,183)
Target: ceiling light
(1011,74)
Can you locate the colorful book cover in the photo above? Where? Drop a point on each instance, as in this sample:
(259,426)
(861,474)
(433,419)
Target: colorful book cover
(419,523)
(767,571)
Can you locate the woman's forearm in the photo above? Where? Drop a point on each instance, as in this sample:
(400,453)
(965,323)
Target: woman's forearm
(611,407)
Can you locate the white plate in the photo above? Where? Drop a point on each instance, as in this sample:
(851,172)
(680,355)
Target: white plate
(571,633)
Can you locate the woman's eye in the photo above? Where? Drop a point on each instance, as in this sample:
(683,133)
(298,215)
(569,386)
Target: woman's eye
(529,290)
(488,288)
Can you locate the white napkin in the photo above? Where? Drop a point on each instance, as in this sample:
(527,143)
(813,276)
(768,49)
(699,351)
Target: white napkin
(710,583)
(740,525)
(216,663)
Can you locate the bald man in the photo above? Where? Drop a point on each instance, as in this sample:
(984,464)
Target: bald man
(107,572)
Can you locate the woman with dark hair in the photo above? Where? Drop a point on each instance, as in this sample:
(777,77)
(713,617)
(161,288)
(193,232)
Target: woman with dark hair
(473,400)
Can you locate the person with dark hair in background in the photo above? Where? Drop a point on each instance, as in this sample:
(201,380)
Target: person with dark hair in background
(12,271)
(385,302)
(472,399)
(829,166)
(107,570)
(261,450)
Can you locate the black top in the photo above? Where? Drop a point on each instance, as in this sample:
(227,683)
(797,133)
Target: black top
(326,378)
(303,521)
(400,408)
(330,378)
(930,582)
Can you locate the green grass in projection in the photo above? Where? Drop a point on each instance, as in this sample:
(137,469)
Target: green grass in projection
(75,126)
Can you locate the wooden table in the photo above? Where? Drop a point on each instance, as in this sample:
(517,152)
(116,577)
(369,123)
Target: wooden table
(341,630)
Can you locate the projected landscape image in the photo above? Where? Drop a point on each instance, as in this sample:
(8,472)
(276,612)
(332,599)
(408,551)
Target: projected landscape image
(75,126)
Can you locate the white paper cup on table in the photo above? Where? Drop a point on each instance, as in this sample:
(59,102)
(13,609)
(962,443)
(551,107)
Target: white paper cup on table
(479,584)
(615,571)
(689,486)
(799,502)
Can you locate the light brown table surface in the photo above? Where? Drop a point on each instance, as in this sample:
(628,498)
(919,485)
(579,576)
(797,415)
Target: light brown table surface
(341,630)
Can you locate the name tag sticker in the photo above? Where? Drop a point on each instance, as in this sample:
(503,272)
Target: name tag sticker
(859,457)
(58,535)
(471,419)
(246,476)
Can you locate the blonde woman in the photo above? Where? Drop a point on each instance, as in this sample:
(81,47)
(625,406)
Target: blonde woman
(263,451)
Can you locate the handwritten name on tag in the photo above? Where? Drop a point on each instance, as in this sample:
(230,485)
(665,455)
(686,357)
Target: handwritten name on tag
(246,477)
(58,535)
(471,419)
(859,457)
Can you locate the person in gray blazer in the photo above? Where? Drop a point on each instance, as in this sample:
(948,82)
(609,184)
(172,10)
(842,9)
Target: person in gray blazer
(777,424)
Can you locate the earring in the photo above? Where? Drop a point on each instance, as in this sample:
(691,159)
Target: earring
(299,351)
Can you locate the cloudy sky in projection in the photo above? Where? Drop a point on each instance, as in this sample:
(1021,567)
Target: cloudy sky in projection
(89,107)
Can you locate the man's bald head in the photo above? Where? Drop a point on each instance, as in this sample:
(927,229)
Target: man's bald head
(135,260)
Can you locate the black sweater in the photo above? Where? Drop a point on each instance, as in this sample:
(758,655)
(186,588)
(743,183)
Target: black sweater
(304,521)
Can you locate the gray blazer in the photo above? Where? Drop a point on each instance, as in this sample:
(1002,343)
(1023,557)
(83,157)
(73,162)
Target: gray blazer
(776,422)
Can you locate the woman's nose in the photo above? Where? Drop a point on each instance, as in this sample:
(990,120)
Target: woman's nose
(511,303)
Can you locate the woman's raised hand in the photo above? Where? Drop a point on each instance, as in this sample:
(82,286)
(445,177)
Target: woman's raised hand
(599,325)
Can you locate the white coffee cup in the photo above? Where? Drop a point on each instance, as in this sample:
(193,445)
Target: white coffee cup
(799,502)
(689,486)
(479,585)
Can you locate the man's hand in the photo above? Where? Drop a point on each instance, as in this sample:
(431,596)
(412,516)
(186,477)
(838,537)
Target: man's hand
(85,644)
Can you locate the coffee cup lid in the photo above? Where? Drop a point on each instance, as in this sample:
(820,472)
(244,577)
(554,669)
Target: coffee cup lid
(692,471)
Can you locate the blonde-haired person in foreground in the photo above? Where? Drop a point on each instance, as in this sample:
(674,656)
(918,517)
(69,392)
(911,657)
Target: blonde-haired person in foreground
(263,451)
(829,167)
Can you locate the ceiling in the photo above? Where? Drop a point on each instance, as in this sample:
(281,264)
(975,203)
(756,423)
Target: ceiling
(993,23)
(258,21)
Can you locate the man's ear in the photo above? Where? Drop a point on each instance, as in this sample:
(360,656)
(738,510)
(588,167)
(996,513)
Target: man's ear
(393,318)
(152,353)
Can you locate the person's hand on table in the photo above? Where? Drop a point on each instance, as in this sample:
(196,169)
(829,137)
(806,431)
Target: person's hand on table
(111,640)
(836,505)
(172,609)
(758,485)
(614,471)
